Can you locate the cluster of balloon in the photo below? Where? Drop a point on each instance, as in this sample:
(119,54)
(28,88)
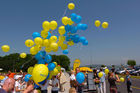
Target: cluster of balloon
(68,34)
(104,24)
(44,70)
(51,43)
(5,48)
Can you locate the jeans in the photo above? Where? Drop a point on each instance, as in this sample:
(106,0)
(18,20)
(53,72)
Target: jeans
(103,87)
(54,91)
(44,91)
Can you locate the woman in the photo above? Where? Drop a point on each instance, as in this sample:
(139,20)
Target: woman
(112,80)
(79,86)
(73,79)
(96,80)
(54,85)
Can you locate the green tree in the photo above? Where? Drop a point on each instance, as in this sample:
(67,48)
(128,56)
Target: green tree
(13,61)
(103,65)
(131,63)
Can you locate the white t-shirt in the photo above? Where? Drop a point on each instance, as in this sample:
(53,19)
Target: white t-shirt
(44,87)
(17,84)
(54,82)
(72,77)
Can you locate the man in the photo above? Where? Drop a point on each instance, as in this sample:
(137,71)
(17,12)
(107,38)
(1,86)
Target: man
(102,82)
(128,82)
(8,86)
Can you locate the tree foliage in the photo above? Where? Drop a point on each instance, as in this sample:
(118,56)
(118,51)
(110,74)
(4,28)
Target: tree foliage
(131,62)
(13,61)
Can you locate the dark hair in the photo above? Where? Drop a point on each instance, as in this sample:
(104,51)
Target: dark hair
(101,69)
(94,70)
(113,69)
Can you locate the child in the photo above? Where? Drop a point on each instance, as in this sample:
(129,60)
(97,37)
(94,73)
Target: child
(54,85)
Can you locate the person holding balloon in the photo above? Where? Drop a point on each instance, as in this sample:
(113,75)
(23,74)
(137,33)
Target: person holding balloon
(80,78)
(96,79)
(103,83)
(128,82)
(112,82)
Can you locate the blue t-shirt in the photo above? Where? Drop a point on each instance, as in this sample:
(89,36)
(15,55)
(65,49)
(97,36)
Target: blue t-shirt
(102,79)
(2,90)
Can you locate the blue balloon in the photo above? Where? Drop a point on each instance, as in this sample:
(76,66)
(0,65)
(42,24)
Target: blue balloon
(79,26)
(80,77)
(41,61)
(27,77)
(51,66)
(49,35)
(36,34)
(68,28)
(67,38)
(73,17)
(43,53)
(36,86)
(84,27)
(65,51)
(78,19)
(74,29)
(82,39)
(48,76)
(85,43)
(76,38)
(39,55)
(48,58)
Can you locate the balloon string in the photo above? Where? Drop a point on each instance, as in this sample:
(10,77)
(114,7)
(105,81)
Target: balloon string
(27,62)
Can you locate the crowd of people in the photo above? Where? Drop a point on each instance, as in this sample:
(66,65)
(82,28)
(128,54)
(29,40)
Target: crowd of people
(14,83)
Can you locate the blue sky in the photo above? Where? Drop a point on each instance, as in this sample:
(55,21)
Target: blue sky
(115,45)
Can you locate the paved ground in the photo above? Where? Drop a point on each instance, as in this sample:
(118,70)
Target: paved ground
(121,86)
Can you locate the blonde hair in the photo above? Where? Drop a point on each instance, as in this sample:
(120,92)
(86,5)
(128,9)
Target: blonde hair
(72,90)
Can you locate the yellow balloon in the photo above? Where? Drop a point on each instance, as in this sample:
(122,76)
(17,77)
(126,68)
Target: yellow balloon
(60,43)
(23,55)
(33,51)
(62,38)
(38,47)
(71,43)
(2,77)
(30,70)
(29,43)
(5,48)
(106,71)
(100,74)
(46,43)
(65,20)
(55,72)
(44,34)
(46,25)
(53,39)
(61,30)
(55,50)
(122,79)
(58,68)
(64,47)
(38,41)
(71,6)
(48,49)
(54,46)
(97,23)
(53,25)
(40,73)
(70,22)
(105,25)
